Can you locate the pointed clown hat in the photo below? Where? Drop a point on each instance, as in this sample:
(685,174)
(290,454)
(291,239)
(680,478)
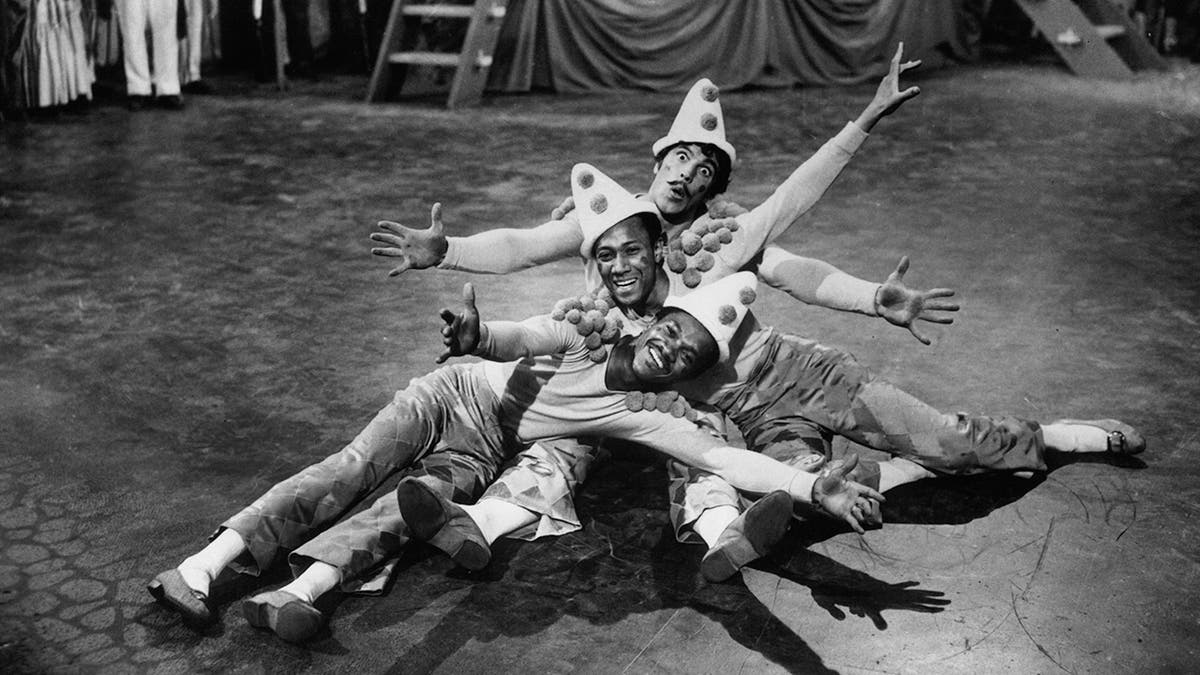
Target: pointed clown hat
(720,306)
(699,121)
(602,203)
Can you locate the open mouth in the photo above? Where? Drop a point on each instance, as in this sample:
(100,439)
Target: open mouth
(625,283)
(679,192)
(658,356)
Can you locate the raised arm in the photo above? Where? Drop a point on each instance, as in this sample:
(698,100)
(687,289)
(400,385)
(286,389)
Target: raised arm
(808,183)
(819,283)
(497,251)
(464,335)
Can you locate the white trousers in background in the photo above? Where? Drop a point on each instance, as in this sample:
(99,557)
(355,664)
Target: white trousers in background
(191,50)
(159,16)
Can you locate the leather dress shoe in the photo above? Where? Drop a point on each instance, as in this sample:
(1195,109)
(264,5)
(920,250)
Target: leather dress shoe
(443,524)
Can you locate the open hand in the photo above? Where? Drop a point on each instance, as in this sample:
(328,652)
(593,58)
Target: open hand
(901,305)
(461,332)
(888,97)
(417,249)
(843,499)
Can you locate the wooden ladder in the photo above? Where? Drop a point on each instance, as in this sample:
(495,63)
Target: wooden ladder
(484,19)
(1095,38)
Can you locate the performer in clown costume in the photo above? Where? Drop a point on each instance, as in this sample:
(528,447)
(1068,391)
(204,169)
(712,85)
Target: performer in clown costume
(786,394)
(454,427)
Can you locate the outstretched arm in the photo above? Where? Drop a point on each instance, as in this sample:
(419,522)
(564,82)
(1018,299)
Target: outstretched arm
(497,251)
(819,283)
(830,491)
(464,335)
(808,183)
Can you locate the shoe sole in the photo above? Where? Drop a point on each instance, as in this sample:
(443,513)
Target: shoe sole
(765,523)
(291,622)
(422,511)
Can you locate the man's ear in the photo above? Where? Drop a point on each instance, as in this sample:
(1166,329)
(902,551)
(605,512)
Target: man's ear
(660,248)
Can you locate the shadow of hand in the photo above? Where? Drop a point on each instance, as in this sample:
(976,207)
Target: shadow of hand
(840,590)
(870,599)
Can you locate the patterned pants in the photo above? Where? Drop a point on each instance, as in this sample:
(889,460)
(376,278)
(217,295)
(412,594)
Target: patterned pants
(442,428)
(794,406)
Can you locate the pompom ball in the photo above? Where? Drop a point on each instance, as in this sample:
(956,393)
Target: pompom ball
(676,261)
(726,314)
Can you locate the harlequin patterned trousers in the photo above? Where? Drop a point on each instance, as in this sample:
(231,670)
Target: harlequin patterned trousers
(442,428)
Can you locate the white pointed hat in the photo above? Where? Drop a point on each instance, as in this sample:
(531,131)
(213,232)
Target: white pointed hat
(602,203)
(699,121)
(720,306)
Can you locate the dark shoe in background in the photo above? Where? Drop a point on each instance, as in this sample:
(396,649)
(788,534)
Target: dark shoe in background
(170,102)
(136,103)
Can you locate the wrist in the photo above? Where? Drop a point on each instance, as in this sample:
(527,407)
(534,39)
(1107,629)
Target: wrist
(802,487)
(481,345)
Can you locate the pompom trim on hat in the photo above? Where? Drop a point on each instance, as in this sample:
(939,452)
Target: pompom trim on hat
(599,204)
(586,179)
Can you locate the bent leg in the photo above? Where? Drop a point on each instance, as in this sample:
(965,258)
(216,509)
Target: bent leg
(296,508)
(361,542)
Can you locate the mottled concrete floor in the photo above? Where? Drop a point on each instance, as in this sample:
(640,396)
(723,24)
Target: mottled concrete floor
(189,312)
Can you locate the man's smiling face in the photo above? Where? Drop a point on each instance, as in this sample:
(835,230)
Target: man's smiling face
(675,347)
(628,259)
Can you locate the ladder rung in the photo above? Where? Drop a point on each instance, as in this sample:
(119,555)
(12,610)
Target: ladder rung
(424,58)
(450,11)
(1110,31)
(442,11)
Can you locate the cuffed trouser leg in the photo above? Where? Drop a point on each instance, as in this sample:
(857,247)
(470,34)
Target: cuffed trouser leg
(543,480)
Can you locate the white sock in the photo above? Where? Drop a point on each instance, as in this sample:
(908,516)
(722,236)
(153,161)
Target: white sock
(1075,437)
(200,569)
(713,521)
(317,580)
(496,518)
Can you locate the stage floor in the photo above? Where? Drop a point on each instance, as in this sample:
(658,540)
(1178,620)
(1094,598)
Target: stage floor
(190,312)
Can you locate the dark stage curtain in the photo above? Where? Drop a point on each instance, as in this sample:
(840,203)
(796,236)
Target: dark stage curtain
(592,45)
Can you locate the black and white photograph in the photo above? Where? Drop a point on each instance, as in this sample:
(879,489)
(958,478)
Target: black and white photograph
(599,336)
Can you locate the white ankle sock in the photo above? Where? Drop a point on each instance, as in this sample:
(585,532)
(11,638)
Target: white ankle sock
(1075,437)
(317,580)
(713,521)
(200,569)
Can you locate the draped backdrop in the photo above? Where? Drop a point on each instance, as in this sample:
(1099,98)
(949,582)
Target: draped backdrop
(663,45)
